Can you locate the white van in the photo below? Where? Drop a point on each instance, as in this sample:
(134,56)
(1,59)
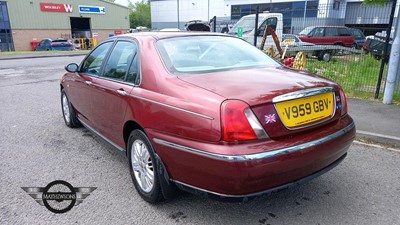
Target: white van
(247,24)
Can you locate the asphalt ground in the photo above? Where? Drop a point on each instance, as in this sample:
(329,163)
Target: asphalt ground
(36,148)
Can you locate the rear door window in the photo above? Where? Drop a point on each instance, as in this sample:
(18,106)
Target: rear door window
(120,60)
(331,31)
(133,71)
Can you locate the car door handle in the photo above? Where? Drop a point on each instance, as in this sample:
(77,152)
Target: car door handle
(88,82)
(121,92)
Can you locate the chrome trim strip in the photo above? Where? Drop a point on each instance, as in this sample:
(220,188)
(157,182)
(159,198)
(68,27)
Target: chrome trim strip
(100,135)
(257,156)
(302,94)
(172,107)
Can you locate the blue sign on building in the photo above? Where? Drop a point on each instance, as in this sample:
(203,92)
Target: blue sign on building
(92,9)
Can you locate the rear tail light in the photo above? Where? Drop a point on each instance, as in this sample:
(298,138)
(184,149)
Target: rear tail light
(239,123)
(343,99)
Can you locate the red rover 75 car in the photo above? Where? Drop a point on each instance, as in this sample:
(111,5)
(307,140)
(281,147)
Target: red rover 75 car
(207,113)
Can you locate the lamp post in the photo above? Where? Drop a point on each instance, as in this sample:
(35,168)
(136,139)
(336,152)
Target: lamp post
(208,14)
(177,10)
(304,16)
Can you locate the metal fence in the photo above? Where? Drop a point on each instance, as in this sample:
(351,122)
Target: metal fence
(357,71)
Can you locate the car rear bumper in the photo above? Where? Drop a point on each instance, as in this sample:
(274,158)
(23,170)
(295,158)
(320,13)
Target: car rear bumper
(246,197)
(262,168)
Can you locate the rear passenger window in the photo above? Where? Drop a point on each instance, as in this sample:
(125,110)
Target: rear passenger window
(120,59)
(331,31)
(133,71)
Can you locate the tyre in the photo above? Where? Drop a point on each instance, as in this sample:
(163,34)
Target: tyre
(143,167)
(68,111)
(377,57)
(324,56)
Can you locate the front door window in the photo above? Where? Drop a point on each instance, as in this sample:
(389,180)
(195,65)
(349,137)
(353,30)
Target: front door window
(92,64)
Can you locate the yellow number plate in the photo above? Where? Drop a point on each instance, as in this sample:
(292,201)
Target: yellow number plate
(303,111)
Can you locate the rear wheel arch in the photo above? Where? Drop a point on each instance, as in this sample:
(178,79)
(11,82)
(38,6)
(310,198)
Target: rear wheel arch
(167,189)
(129,126)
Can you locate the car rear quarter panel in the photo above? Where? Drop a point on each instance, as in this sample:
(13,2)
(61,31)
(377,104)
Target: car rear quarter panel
(165,104)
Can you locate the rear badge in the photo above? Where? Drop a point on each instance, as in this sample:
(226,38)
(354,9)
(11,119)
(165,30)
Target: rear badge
(271,118)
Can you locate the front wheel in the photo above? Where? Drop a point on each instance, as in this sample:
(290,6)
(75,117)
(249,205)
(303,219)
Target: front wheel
(143,167)
(68,111)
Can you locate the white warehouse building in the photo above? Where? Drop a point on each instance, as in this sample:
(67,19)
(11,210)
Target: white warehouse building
(297,14)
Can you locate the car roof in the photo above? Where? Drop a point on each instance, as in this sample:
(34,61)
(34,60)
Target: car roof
(168,34)
(330,26)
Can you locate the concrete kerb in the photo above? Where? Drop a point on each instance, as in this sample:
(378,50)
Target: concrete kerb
(380,139)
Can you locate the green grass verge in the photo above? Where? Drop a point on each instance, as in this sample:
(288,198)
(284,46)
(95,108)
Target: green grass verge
(357,74)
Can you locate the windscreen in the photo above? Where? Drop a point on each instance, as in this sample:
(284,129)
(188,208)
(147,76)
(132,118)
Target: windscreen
(306,31)
(246,22)
(202,54)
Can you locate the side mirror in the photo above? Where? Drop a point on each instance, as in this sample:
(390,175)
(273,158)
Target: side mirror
(260,32)
(72,67)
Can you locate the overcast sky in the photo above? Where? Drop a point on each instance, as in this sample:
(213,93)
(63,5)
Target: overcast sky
(125,2)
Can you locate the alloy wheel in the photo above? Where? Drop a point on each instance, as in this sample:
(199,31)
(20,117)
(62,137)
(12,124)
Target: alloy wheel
(142,166)
(65,105)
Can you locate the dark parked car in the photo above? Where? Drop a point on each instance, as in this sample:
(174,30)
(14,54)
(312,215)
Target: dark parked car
(328,35)
(207,113)
(54,44)
(376,45)
(359,37)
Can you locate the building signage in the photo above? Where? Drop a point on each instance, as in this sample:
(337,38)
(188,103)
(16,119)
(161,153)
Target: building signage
(55,7)
(92,9)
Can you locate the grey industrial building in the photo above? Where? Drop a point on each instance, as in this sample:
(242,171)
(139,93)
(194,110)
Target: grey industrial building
(25,21)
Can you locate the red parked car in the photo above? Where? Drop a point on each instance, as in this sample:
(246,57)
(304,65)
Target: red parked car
(328,35)
(207,113)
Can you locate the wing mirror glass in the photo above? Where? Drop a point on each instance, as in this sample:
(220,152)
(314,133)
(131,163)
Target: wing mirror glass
(72,67)
(260,32)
